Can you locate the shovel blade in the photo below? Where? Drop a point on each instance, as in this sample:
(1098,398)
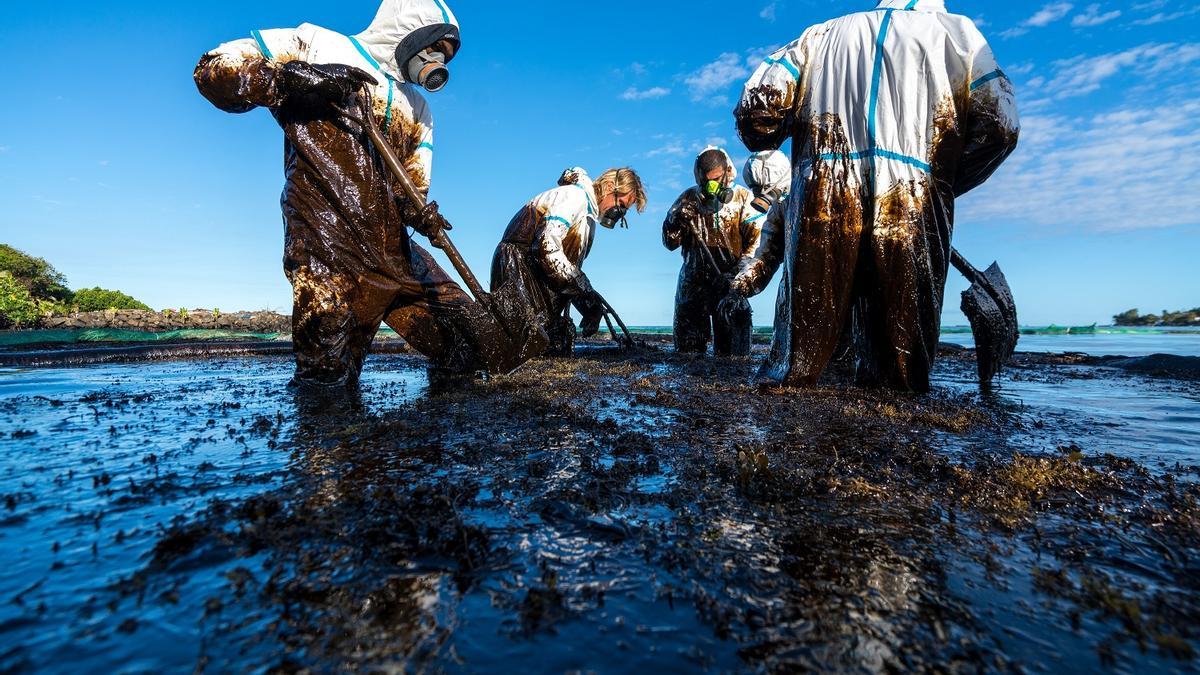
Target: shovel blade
(510,333)
(989,306)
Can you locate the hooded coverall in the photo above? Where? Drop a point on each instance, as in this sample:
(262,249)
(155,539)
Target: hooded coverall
(347,251)
(729,234)
(768,173)
(543,250)
(892,114)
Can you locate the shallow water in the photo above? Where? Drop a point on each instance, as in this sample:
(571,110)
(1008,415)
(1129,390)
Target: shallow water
(1105,342)
(1152,420)
(585,515)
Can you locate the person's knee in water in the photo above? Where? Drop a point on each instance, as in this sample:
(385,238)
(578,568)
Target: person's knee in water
(542,252)
(716,226)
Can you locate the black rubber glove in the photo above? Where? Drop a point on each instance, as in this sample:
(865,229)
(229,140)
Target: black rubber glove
(734,305)
(591,308)
(429,221)
(316,85)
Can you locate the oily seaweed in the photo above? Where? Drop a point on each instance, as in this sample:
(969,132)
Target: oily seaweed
(619,511)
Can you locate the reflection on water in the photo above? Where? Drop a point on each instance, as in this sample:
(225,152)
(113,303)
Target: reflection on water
(602,514)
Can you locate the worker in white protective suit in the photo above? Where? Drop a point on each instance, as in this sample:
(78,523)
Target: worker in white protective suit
(892,114)
(715,225)
(548,240)
(348,253)
(768,175)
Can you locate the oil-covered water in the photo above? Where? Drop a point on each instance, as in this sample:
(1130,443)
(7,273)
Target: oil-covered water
(614,513)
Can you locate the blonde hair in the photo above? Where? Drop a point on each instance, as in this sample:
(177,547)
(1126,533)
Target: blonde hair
(624,181)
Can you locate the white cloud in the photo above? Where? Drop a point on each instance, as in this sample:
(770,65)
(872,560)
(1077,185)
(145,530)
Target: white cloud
(635,94)
(1045,16)
(1083,75)
(1020,69)
(707,82)
(1094,17)
(1125,169)
(1049,14)
(673,147)
(1166,17)
(768,12)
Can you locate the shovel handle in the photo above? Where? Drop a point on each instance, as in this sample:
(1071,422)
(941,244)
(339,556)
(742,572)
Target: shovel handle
(612,332)
(699,242)
(967,269)
(418,201)
(608,308)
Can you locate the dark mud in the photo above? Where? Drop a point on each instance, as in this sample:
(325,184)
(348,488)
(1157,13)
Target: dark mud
(617,513)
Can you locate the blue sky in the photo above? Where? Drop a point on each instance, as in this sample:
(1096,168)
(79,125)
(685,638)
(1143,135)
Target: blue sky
(117,171)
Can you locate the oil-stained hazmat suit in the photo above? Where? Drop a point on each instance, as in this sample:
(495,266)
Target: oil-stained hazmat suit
(347,252)
(715,234)
(543,250)
(892,114)
(768,174)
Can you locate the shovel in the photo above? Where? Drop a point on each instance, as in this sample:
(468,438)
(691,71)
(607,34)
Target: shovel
(610,312)
(990,308)
(509,332)
(610,315)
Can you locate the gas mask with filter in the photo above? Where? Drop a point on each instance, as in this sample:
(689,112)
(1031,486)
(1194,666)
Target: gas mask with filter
(428,69)
(715,195)
(423,56)
(765,198)
(615,216)
(769,176)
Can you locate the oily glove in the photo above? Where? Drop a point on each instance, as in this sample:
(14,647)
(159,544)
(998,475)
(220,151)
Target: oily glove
(315,85)
(733,305)
(591,308)
(428,221)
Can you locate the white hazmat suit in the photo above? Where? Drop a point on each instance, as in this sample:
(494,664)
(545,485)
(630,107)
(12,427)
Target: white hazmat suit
(892,114)
(714,237)
(347,252)
(543,251)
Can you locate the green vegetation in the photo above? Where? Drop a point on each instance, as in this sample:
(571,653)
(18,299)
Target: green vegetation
(100,299)
(31,290)
(1132,318)
(35,274)
(17,307)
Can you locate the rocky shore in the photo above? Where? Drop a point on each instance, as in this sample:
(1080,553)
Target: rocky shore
(169,320)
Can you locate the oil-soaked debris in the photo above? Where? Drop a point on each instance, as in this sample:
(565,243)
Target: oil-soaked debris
(624,510)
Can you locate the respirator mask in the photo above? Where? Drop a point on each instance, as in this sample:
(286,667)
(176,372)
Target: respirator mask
(766,198)
(615,216)
(428,69)
(716,194)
